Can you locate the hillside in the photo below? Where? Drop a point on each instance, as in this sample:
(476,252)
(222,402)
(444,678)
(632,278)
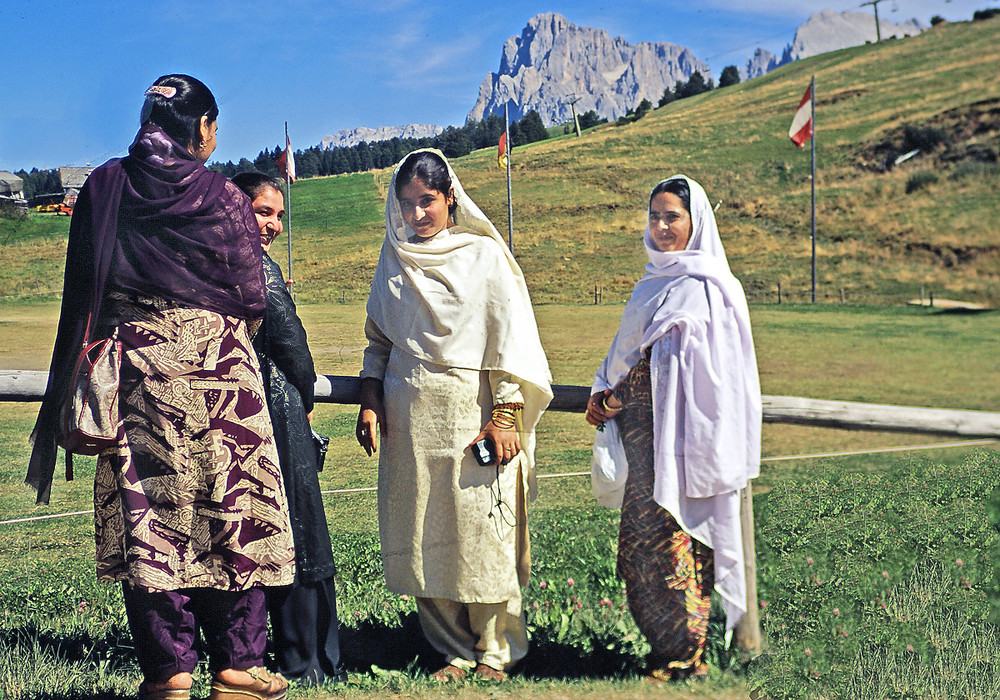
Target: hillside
(579,203)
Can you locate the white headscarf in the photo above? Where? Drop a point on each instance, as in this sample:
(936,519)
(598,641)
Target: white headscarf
(706,391)
(459,300)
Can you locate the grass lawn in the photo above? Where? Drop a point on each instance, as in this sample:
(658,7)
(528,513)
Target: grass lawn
(871,354)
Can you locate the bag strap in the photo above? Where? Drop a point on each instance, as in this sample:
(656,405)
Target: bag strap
(102,268)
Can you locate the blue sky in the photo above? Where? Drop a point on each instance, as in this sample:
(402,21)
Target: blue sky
(76,70)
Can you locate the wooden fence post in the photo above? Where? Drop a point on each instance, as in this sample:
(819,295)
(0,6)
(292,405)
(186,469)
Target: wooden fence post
(747,636)
(779,291)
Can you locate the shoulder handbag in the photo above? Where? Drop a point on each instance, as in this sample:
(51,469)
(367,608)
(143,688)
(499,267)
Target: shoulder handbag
(89,420)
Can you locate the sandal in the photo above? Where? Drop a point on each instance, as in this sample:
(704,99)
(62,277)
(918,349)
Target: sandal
(265,686)
(163,693)
(489,673)
(658,677)
(448,673)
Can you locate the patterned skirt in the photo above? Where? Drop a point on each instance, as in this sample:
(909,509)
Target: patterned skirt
(191,496)
(668,575)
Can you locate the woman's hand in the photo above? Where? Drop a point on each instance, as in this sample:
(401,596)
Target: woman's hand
(602,406)
(506,441)
(371,416)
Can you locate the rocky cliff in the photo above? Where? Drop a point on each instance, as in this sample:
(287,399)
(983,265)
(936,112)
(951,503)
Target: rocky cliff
(554,60)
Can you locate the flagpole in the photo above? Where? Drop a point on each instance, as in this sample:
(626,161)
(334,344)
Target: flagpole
(510,202)
(812,93)
(288,217)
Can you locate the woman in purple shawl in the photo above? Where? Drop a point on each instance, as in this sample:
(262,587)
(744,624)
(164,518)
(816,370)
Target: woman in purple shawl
(189,508)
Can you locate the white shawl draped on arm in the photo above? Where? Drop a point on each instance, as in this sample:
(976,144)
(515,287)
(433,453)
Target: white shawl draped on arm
(459,300)
(691,313)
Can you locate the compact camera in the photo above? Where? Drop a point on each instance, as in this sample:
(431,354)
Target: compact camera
(484,452)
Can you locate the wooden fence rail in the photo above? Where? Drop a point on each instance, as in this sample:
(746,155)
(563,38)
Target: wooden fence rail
(29,385)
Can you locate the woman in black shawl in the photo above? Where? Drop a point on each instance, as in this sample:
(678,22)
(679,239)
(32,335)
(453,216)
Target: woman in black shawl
(304,625)
(190,513)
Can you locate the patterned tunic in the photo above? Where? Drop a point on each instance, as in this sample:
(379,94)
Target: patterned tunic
(191,496)
(668,575)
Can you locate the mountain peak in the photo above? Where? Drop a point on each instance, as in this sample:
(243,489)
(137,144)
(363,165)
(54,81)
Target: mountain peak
(554,60)
(829,30)
(351,137)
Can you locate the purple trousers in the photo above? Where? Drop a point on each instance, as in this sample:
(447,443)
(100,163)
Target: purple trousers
(165,624)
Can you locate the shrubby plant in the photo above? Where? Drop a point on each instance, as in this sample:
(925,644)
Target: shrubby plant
(920,180)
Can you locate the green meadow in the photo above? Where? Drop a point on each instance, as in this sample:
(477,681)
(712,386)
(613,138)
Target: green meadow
(872,354)
(875,567)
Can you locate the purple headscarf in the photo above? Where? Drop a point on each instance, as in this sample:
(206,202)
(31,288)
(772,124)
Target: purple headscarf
(157,223)
(189,235)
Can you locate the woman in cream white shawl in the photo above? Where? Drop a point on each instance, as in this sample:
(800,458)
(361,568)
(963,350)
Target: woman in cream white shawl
(453,357)
(680,381)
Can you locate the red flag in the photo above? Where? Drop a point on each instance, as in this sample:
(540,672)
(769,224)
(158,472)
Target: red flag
(286,162)
(802,125)
(502,151)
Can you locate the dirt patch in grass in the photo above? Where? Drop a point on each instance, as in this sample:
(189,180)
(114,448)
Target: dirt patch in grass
(967,133)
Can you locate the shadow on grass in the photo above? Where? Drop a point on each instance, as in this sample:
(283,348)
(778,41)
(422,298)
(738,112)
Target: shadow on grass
(107,653)
(113,647)
(393,647)
(404,648)
(960,311)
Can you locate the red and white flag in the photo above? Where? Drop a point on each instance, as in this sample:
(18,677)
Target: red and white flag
(802,125)
(286,162)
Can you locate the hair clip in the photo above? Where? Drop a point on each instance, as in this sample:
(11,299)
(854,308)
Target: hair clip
(162,90)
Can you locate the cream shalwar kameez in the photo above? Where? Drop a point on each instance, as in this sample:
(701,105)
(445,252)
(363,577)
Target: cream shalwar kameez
(451,333)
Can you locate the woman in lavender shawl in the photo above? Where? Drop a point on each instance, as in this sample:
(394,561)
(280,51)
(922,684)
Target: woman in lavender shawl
(681,398)
(189,508)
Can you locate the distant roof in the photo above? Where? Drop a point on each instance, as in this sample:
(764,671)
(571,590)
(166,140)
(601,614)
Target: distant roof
(73,177)
(9,182)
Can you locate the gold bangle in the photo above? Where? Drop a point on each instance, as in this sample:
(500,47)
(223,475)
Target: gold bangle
(606,407)
(504,415)
(503,418)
